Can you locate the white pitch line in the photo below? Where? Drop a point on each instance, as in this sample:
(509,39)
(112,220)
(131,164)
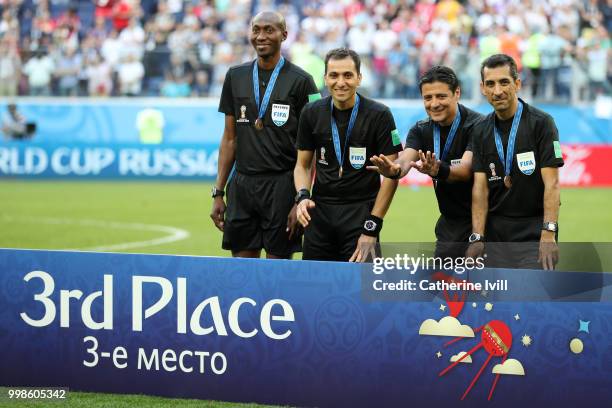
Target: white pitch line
(174,234)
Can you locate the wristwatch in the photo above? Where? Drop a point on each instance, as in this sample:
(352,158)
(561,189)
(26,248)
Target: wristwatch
(216,192)
(550,226)
(370,225)
(303,194)
(475,237)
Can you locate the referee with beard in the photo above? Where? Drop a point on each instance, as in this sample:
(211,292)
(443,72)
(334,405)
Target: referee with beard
(262,101)
(443,144)
(517,155)
(344,216)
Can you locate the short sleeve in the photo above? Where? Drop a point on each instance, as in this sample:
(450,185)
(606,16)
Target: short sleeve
(387,136)
(549,148)
(476,145)
(305,139)
(469,135)
(226,103)
(413,140)
(308,93)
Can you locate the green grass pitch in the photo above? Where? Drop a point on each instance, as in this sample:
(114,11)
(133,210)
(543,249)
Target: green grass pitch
(83,215)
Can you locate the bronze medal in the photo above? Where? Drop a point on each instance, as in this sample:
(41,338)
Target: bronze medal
(507,181)
(258,124)
(340,173)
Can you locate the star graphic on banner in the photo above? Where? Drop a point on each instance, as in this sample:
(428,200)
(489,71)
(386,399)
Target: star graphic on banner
(526,340)
(584,326)
(484,293)
(438,354)
(517,317)
(442,307)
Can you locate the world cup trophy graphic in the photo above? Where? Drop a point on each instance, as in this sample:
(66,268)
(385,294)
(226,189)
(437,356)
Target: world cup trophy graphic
(492,167)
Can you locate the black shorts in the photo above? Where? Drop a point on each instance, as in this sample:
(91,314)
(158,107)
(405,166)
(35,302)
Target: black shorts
(256,215)
(452,236)
(334,230)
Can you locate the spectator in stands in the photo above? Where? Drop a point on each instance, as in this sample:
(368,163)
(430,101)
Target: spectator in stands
(99,77)
(201,84)
(130,75)
(132,39)
(552,48)
(111,49)
(67,69)
(39,70)
(104,8)
(123,11)
(10,68)
(164,21)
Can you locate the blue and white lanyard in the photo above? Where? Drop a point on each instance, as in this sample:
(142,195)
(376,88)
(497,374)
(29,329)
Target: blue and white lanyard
(449,140)
(507,161)
(340,155)
(266,98)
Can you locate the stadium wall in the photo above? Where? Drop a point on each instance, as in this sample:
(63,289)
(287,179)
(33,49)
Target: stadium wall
(103,138)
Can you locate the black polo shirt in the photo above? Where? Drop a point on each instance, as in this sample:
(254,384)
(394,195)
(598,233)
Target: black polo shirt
(374,132)
(454,198)
(272,149)
(537,146)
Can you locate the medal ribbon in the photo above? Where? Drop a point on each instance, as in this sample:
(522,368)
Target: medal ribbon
(266,98)
(507,161)
(340,154)
(449,140)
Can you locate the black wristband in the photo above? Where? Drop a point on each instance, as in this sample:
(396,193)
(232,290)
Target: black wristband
(372,226)
(443,171)
(396,176)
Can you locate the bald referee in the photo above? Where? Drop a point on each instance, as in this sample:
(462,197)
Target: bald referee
(517,155)
(262,102)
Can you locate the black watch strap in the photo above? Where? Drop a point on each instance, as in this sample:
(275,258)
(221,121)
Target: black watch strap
(396,176)
(217,192)
(303,194)
(372,226)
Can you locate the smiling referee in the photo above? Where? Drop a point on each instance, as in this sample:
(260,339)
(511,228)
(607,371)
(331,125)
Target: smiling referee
(262,101)
(344,216)
(517,155)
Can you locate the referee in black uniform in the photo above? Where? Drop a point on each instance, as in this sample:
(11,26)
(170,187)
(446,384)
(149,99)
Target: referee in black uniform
(262,102)
(443,144)
(344,216)
(516,163)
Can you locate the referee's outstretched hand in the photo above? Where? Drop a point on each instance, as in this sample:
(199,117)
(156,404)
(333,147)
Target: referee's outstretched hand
(384,166)
(218,213)
(302,211)
(428,163)
(366,248)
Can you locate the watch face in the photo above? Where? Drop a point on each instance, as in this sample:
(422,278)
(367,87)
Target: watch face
(474,237)
(370,225)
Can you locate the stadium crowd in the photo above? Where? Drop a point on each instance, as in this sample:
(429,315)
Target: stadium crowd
(180,48)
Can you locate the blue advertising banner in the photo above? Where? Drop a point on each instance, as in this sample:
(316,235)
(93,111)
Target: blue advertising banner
(189,121)
(285,332)
(39,160)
